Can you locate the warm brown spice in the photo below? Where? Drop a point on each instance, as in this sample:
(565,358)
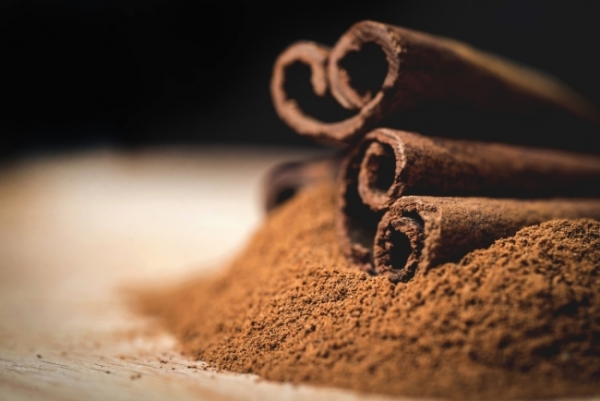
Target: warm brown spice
(387,165)
(420,232)
(518,320)
(421,69)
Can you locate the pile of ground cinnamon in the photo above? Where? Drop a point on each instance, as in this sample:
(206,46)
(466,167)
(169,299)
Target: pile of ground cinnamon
(518,320)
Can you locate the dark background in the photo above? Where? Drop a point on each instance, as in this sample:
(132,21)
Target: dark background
(133,73)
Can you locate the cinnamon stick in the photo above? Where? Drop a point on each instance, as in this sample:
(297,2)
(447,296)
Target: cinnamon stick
(420,232)
(315,56)
(283,181)
(421,69)
(388,164)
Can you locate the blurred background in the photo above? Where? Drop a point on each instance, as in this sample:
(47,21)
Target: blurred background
(133,73)
(135,136)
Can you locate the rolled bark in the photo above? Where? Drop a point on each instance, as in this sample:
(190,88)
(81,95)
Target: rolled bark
(421,69)
(420,232)
(388,164)
(314,56)
(397,163)
(283,181)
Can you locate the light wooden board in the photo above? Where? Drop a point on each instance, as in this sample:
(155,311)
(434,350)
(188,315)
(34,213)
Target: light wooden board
(76,229)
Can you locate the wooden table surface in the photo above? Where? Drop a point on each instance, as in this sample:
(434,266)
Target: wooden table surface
(76,229)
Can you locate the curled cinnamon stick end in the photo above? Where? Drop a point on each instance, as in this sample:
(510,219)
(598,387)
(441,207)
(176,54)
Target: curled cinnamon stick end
(396,163)
(380,171)
(284,180)
(353,41)
(419,233)
(421,69)
(388,165)
(399,245)
(316,57)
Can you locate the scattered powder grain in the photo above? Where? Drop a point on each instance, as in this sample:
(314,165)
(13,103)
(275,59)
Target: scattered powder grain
(518,320)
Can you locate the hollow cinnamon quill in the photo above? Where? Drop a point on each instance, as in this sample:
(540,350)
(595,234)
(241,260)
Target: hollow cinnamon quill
(389,164)
(420,232)
(421,69)
(284,180)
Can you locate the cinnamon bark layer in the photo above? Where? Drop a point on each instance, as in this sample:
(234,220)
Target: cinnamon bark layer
(394,163)
(388,164)
(420,232)
(284,180)
(421,69)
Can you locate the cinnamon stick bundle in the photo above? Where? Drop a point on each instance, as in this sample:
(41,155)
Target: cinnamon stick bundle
(420,232)
(421,69)
(388,164)
(284,180)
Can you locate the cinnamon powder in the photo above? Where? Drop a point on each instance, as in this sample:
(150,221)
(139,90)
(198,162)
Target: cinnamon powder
(520,319)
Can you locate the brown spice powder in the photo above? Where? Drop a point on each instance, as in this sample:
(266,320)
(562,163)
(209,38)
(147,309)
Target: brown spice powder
(518,320)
